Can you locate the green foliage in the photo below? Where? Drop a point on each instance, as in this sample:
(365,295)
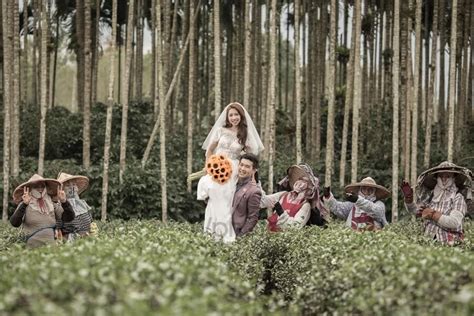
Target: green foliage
(336,270)
(132,268)
(145,267)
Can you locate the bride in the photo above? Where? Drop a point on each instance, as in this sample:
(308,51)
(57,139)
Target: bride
(232,135)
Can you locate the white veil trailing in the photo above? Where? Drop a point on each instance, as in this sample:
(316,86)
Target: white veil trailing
(253,139)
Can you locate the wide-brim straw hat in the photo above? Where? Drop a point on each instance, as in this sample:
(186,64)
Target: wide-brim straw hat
(380,191)
(82,182)
(51,187)
(461,175)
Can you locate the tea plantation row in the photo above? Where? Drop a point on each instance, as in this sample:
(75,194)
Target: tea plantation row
(141,268)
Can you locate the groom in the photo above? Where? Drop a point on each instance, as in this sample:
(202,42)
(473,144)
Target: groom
(246,202)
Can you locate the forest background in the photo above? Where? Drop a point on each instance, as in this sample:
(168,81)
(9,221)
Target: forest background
(81,96)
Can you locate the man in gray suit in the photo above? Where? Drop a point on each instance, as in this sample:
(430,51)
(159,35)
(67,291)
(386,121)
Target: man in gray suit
(246,203)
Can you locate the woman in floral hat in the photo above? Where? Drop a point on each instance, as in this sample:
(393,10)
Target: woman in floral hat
(37,212)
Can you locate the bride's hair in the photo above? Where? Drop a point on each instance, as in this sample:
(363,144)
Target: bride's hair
(242,130)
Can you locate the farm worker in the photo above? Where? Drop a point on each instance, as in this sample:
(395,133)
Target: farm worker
(73,186)
(363,209)
(37,211)
(441,194)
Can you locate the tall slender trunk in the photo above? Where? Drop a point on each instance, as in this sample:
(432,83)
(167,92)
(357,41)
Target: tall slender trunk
(139,53)
(357,92)
(24,81)
(44,83)
(7,98)
(404,106)
(108,120)
(153,64)
(161,94)
(463,67)
(125,92)
(86,132)
(55,64)
(35,70)
(431,100)
(347,106)
(15,106)
(330,92)
(192,78)
(95,53)
(416,92)
(248,51)
(80,51)
(217,59)
(272,91)
(452,79)
(297,82)
(395,126)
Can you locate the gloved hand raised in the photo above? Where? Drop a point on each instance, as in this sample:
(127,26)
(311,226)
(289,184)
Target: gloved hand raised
(351,197)
(277,208)
(327,192)
(407,192)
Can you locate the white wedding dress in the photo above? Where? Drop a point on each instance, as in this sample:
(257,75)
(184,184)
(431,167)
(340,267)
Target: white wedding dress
(218,217)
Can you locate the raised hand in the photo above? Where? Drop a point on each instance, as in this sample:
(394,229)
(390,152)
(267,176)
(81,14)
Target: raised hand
(61,194)
(407,192)
(351,197)
(326,192)
(26,195)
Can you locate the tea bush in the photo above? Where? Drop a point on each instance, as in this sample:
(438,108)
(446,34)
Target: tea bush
(144,267)
(131,268)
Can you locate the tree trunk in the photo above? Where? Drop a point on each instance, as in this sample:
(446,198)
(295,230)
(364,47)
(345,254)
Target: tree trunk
(108,121)
(139,54)
(357,93)
(192,78)
(7,98)
(95,53)
(15,106)
(86,132)
(248,51)
(452,79)
(35,70)
(24,81)
(153,64)
(416,93)
(217,59)
(404,106)
(395,127)
(463,67)
(330,93)
(161,94)
(347,107)
(125,92)
(80,51)
(44,83)
(431,100)
(272,91)
(297,82)
(55,65)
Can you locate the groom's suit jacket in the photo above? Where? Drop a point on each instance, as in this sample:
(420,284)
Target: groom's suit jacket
(246,205)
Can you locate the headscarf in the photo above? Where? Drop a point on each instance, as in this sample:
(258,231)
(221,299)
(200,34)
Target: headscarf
(301,191)
(79,206)
(444,191)
(41,202)
(253,139)
(371,197)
